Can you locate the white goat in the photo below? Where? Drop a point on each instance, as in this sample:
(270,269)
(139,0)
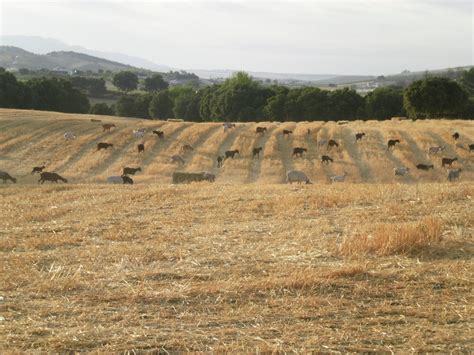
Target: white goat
(139,133)
(401,171)
(323,142)
(296,176)
(338,178)
(436,150)
(69,135)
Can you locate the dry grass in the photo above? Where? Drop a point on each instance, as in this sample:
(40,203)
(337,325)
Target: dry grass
(235,268)
(389,239)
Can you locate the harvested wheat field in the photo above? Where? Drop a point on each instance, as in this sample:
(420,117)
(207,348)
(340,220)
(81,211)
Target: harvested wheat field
(244,264)
(34,138)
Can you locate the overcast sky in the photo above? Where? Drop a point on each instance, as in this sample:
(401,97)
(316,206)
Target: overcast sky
(339,37)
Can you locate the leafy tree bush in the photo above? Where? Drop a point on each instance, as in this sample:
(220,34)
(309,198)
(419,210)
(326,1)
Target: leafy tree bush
(155,83)
(91,86)
(161,105)
(125,81)
(434,97)
(384,103)
(102,108)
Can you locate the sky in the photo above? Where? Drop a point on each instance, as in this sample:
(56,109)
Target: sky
(352,37)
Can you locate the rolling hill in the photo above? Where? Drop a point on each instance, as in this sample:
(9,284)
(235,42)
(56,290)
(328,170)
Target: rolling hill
(17,58)
(29,138)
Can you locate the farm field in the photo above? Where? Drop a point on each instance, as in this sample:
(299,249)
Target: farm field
(377,263)
(33,138)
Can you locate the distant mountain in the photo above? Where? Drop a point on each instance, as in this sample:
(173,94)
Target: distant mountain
(43,45)
(17,58)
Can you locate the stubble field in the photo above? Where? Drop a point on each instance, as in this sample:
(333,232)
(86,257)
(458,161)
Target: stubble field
(368,265)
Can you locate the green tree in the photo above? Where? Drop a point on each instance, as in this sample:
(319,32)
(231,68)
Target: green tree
(125,106)
(9,89)
(125,81)
(161,105)
(92,86)
(56,94)
(434,97)
(467,80)
(102,108)
(155,83)
(384,103)
(346,104)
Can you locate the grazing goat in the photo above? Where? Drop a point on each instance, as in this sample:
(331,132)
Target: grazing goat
(338,178)
(298,151)
(326,159)
(53,177)
(104,145)
(108,126)
(95,120)
(424,166)
(69,135)
(471,147)
(456,136)
(139,133)
(141,148)
(256,152)
(322,143)
(287,132)
(177,159)
(228,125)
(231,153)
(120,180)
(436,150)
(6,176)
(180,177)
(260,130)
(448,161)
(401,171)
(209,177)
(160,134)
(220,161)
(131,171)
(186,149)
(296,176)
(37,169)
(453,174)
(332,143)
(359,136)
(391,143)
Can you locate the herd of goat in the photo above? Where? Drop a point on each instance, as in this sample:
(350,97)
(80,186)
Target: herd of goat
(291,176)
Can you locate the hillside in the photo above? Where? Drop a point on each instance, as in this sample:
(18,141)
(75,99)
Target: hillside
(29,138)
(17,58)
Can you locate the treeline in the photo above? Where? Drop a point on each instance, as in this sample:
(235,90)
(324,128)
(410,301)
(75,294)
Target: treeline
(46,94)
(243,99)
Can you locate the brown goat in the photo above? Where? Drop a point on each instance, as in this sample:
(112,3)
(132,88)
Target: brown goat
(298,151)
(37,169)
(391,143)
(332,143)
(231,153)
(141,148)
(108,126)
(256,152)
(104,145)
(260,130)
(326,159)
(448,161)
